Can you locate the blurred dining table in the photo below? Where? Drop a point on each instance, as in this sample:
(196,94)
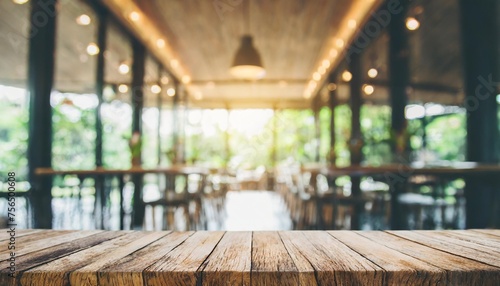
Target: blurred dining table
(100,174)
(397,175)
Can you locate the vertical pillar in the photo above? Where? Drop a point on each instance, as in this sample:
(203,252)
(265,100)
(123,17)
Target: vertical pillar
(40,81)
(332,103)
(399,80)
(99,85)
(101,43)
(399,77)
(138,68)
(356,141)
(480,50)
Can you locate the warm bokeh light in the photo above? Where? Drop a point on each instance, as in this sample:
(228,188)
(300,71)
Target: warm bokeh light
(346,76)
(170,92)
(325,64)
(340,43)
(186,79)
(368,89)
(155,89)
(412,24)
(123,68)
(372,73)
(83,20)
(316,76)
(160,43)
(134,16)
(20,1)
(123,88)
(92,49)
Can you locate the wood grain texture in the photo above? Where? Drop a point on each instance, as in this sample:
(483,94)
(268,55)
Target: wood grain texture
(129,269)
(19,233)
(483,241)
(57,272)
(35,236)
(459,270)
(257,258)
(271,262)
(400,269)
(295,248)
(49,253)
(88,275)
(332,261)
(487,231)
(230,262)
(181,265)
(427,238)
(28,244)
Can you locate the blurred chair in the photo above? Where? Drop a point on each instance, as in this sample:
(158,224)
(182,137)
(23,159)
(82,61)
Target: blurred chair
(182,195)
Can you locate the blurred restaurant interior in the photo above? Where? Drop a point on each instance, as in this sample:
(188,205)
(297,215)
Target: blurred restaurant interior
(251,114)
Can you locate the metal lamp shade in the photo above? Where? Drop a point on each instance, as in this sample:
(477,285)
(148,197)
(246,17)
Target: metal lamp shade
(247,63)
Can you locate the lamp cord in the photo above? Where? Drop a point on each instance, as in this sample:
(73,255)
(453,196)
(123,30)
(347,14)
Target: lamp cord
(247,16)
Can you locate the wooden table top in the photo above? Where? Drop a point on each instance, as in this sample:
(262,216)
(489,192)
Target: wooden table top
(50,257)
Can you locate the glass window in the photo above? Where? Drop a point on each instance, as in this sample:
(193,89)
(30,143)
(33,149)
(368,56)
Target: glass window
(14,36)
(116,110)
(150,113)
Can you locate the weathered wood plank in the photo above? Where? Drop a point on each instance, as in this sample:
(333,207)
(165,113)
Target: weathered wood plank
(304,266)
(57,272)
(88,274)
(495,232)
(460,241)
(230,262)
(449,246)
(400,269)
(486,241)
(333,262)
(38,241)
(181,266)
(28,261)
(25,240)
(469,232)
(259,258)
(129,269)
(19,233)
(460,271)
(271,263)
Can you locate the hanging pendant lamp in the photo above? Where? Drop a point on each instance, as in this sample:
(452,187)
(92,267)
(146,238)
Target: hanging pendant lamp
(247,63)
